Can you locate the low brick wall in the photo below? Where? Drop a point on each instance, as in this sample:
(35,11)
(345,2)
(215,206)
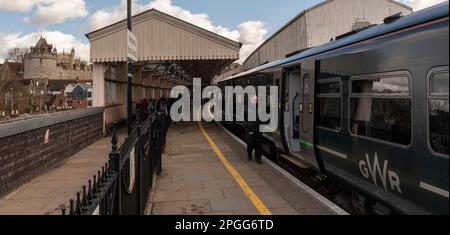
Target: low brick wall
(24,154)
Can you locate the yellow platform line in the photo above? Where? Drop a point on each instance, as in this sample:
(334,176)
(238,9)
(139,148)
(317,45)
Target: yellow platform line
(257,202)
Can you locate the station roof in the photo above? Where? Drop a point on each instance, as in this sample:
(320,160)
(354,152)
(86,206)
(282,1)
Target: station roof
(416,18)
(161,37)
(303,13)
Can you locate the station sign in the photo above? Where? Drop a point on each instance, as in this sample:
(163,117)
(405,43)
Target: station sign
(131,46)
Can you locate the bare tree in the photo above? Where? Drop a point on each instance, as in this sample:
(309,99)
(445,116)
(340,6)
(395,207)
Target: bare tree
(17,54)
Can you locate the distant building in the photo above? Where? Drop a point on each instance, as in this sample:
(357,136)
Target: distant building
(38,82)
(78,95)
(44,62)
(11,70)
(55,92)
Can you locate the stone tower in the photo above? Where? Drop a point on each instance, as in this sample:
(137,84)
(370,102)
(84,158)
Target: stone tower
(40,63)
(72,58)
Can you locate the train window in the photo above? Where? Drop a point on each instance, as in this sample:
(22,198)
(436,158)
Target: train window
(381,108)
(438,103)
(381,85)
(329,104)
(439,84)
(329,87)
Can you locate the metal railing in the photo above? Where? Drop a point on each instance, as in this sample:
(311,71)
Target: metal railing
(123,185)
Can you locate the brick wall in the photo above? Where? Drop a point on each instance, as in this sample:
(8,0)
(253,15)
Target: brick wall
(23,154)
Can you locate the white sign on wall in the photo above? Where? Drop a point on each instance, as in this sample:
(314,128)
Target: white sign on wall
(131,46)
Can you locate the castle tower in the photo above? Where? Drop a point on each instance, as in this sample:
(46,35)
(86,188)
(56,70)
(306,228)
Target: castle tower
(72,59)
(40,63)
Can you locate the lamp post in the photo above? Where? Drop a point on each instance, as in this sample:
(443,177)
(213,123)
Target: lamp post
(130,77)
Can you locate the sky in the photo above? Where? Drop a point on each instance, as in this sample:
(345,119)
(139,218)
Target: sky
(65,22)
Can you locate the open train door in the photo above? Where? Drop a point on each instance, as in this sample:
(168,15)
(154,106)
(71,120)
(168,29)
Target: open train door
(307,105)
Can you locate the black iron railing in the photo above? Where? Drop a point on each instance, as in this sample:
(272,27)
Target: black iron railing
(123,185)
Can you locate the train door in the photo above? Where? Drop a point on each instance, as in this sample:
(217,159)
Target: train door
(292,113)
(307,105)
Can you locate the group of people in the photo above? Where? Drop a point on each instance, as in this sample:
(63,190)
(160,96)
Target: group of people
(146,107)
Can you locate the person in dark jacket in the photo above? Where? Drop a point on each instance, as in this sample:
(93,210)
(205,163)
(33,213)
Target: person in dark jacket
(162,104)
(253,134)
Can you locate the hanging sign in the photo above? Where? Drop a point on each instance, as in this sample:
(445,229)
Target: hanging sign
(131,46)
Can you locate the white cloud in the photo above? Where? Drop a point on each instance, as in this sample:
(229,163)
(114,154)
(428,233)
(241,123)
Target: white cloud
(59,40)
(421,4)
(251,33)
(47,11)
(17,5)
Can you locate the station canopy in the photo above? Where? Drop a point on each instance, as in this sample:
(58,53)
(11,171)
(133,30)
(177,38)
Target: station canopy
(165,43)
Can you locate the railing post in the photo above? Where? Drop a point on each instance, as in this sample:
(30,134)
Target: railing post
(152,150)
(139,170)
(115,160)
(160,143)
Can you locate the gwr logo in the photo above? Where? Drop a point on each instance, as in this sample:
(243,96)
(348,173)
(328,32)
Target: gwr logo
(374,171)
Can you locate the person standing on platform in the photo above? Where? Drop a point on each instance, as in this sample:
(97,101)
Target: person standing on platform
(253,133)
(162,105)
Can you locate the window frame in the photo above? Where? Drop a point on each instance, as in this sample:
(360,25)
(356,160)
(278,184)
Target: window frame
(351,95)
(332,95)
(433,71)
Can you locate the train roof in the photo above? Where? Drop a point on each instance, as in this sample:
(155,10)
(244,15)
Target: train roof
(428,14)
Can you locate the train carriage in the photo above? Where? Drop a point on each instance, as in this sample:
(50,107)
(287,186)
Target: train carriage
(370,111)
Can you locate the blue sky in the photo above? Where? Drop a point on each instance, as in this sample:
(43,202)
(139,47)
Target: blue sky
(229,13)
(64,22)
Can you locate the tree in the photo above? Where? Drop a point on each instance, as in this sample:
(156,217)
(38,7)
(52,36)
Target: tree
(17,54)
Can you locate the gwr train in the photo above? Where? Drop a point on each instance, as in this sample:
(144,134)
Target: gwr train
(369,111)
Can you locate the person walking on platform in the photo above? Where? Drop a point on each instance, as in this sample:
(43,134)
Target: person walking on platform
(253,134)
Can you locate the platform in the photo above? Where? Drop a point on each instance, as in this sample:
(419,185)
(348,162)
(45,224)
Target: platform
(206,172)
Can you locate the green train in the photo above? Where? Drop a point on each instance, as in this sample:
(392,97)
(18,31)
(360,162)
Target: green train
(370,111)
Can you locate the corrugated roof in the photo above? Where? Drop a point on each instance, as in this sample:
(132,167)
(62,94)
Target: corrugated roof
(303,13)
(161,37)
(428,14)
